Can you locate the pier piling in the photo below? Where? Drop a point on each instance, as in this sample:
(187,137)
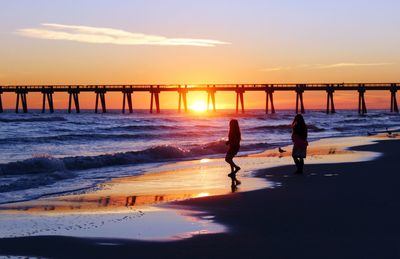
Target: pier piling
(362,107)
(393,100)
(182,97)
(73,94)
(127,95)
(21,94)
(269,90)
(211,95)
(1,102)
(101,92)
(299,98)
(330,105)
(155,95)
(48,93)
(239,96)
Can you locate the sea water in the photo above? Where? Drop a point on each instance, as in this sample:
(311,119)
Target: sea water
(49,154)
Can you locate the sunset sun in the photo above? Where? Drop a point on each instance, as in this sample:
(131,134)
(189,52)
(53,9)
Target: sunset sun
(199,106)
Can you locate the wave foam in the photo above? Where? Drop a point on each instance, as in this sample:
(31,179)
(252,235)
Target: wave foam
(46,164)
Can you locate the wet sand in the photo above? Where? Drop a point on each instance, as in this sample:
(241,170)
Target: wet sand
(345,210)
(128,207)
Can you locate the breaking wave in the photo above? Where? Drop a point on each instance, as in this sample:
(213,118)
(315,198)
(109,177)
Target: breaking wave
(48,164)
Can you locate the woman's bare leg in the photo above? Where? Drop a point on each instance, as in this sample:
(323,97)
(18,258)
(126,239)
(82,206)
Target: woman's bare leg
(230,162)
(234,167)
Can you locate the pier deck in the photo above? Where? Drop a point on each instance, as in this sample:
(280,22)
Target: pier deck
(127,90)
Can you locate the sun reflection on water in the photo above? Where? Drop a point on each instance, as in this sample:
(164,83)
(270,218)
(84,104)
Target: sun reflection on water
(205,160)
(202,194)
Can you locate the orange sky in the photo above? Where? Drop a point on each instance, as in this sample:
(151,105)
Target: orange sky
(204,42)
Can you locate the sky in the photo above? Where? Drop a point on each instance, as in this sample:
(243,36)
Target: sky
(200,41)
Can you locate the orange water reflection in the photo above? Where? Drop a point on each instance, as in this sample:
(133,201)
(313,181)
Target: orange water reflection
(126,193)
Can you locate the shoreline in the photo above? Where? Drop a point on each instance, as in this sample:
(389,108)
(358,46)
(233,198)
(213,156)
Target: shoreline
(311,214)
(188,179)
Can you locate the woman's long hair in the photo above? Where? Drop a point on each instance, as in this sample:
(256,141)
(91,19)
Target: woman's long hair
(299,126)
(234,130)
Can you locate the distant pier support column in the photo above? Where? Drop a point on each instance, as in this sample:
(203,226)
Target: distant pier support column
(1,102)
(155,95)
(211,95)
(101,93)
(239,97)
(393,100)
(21,94)
(330,105)
(127,95)
(73,94)
(48,93)
(362,107)
(269,90)
(299,98)
(182,97)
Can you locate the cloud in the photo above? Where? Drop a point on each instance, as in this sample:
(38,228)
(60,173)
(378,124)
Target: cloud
(274,69)
(339,65)
(98,35)
(325,66)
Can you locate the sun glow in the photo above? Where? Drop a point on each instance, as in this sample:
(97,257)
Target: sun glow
(205,160)
(202,194)
(199,106)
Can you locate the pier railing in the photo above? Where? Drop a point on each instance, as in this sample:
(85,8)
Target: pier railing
(127,90)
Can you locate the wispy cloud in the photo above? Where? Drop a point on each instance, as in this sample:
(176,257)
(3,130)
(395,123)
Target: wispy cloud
(339,65)
(99,35)
(274,69)
(325,66)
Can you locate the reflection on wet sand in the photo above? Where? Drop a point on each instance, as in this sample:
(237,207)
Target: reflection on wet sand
(87,204)
(234,183)
(123,194)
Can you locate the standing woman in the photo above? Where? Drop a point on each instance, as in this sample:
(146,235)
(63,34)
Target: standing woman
(234,145)
(300,143)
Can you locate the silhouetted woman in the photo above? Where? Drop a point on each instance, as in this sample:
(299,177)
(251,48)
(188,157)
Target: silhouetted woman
(234,145)
(299,138)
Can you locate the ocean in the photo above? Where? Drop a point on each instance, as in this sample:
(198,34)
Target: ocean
(50,154)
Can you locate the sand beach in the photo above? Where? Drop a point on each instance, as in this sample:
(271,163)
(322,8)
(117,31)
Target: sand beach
(346,205)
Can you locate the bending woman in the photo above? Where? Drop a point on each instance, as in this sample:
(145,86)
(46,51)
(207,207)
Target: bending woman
(234,146)
(300,143)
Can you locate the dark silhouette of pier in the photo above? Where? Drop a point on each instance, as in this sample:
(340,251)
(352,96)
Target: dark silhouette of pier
(127,91)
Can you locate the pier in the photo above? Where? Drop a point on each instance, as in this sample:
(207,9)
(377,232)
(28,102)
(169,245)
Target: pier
(127,91)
